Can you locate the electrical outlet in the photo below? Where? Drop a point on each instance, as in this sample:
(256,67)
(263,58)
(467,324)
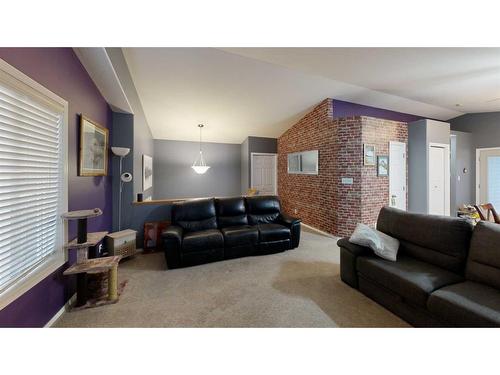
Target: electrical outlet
(295,211)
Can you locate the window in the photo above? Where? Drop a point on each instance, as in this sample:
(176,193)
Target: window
(305,162)
(493,180)
(33,181)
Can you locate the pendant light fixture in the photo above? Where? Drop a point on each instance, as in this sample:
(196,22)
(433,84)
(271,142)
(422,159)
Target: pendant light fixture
(199,165)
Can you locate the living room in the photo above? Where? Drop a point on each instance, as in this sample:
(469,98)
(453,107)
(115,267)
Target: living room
(166,183)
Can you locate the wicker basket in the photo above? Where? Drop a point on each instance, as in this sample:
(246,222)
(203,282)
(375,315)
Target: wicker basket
(122,243)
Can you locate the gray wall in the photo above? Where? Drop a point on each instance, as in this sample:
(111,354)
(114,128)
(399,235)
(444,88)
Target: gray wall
(478,130)
(143,138)
(462,157)
(245,166)
(417,167)
(254,144)
(174,178)
(122,135)
(438,132)
(484,128)
(420,134)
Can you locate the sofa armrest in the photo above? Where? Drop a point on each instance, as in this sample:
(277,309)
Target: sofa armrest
(349,252)
(173,232)
(172,244)
(352,247)
(288,220)
(294,225)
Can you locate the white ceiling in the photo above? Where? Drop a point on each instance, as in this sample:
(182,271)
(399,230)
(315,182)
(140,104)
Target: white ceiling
(237,92)
(445,77)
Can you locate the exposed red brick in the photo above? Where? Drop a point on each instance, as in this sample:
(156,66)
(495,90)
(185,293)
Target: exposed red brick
(322,201)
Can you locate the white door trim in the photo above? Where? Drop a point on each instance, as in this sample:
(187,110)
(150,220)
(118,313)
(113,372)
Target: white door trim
(275,168)
(447,177)
(478,169)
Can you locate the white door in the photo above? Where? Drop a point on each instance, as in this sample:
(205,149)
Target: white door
(263,175)
(489,177)
(439,180)
(397,175)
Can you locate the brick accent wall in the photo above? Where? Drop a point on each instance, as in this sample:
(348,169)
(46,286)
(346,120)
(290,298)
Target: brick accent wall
(347,208)
(322,201)
(310,197)
(374,189)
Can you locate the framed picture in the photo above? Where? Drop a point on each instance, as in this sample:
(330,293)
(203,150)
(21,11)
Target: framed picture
(147,172)
(93,148)
(383,165)
(368,154)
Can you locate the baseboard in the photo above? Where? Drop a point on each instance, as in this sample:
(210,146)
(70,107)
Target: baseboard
(319,231)
(58,314)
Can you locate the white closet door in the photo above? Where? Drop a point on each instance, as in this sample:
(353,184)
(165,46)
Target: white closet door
(264,173)
(439,178)
(397,175)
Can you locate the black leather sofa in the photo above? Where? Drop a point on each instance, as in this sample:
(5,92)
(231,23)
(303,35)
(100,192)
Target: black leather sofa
(208,230)
(447,273)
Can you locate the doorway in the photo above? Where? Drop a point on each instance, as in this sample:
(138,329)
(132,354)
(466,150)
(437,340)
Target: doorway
(263,175)
(439,179)
(488,176)
(397,175)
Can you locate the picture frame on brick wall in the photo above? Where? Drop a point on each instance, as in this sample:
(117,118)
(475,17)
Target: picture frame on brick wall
(383,166)
(369,156)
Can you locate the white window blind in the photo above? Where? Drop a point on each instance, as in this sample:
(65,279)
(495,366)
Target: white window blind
(32,178)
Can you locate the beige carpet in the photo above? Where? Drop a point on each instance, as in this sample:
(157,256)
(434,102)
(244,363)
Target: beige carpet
(297,288)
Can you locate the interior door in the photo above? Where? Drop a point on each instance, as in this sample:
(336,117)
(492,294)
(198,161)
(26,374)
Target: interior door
(489,177)
(263,173)
(397,175)
(437,183)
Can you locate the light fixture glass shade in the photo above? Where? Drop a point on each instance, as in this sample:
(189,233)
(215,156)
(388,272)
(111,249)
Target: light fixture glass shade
(120,151)
(199,169)
(199,165)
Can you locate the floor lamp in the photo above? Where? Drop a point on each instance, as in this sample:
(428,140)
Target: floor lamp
(124,177)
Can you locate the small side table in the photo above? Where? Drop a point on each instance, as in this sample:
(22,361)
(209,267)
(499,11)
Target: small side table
(122,243)
(97,265)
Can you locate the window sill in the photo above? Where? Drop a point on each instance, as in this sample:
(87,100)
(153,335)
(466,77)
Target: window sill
(30,280)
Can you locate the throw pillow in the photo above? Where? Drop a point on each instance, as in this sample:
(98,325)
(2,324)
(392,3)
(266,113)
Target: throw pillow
(382,244)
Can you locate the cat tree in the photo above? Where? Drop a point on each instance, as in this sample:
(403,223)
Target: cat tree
(84,265)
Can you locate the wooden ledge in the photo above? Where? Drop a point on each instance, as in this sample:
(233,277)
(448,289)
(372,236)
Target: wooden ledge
(174,200)
(161,201)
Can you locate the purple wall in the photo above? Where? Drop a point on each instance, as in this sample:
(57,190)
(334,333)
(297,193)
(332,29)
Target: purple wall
(348,109)
(59,70)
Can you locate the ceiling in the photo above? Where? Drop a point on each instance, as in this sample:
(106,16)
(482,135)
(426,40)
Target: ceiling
(237,92)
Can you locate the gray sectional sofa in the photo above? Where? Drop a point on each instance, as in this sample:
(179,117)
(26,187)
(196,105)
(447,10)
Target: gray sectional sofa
(447,273)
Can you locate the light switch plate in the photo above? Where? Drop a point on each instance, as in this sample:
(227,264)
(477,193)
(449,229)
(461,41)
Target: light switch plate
(347,180)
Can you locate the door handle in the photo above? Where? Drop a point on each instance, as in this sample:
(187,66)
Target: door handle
(393,199)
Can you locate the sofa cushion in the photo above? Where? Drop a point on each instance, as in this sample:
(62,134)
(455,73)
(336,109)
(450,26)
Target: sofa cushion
(483,263)
(231,212)
(439,240)
(195,215)
(273,232)
(240,236)
(202,240)
(263,209)
(411,278)
(467,304)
